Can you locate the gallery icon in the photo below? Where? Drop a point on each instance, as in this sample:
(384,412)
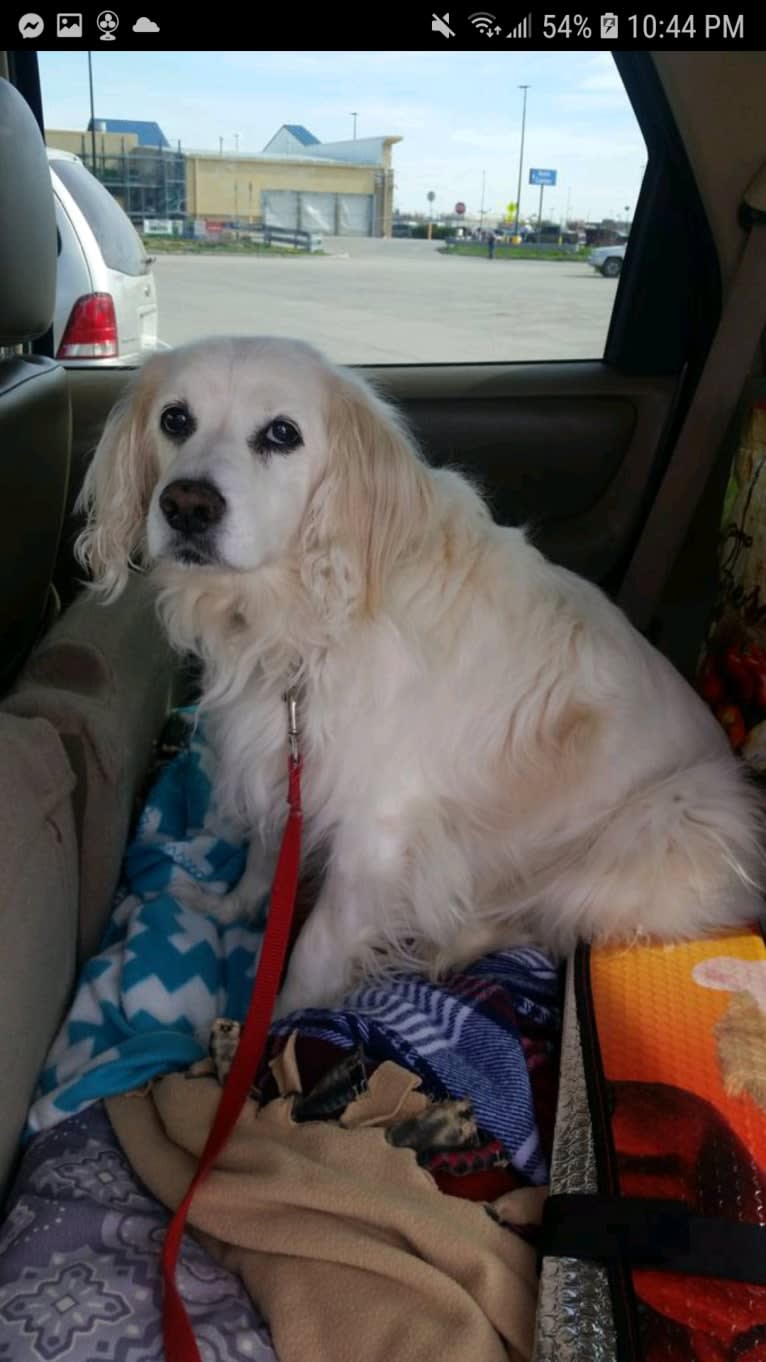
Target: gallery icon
(68,25)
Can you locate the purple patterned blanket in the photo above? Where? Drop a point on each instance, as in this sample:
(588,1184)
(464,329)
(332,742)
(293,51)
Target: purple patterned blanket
(79,1262)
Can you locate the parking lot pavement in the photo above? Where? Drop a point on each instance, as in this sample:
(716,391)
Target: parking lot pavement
(378,301)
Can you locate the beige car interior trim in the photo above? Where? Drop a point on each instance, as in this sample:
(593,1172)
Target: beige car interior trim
(729,362)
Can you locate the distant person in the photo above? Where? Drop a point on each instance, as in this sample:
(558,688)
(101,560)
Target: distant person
(491,242)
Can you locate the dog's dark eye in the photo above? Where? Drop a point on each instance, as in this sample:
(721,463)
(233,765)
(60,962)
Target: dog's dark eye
(281,435)
(177,421)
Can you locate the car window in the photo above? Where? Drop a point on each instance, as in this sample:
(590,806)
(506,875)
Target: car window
(118,241)
(391,208)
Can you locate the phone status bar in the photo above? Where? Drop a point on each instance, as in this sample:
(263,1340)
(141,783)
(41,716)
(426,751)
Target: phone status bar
(468,28)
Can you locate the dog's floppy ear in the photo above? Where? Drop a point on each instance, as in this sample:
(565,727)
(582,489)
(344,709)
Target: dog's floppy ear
(116,491)
(373,504)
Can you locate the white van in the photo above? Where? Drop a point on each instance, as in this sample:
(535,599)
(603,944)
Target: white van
(106,298)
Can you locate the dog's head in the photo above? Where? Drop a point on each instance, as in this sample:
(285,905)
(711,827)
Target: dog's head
(233,454)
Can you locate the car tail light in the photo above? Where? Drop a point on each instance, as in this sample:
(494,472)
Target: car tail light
(91,332)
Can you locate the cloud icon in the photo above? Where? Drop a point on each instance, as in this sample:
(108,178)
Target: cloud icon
(145,26)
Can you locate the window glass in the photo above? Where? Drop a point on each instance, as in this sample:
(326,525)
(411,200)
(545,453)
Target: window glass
(119,244)
(406,207)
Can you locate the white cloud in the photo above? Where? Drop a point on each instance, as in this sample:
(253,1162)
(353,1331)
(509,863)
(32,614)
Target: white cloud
(555,140)
(604,76)
(374,117)
(144,25)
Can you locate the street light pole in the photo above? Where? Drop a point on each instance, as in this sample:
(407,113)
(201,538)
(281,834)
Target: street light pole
(92,113)
(354,116)
(521,157)
(481,210)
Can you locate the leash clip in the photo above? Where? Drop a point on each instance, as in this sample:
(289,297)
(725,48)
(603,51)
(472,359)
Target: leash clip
(293,735)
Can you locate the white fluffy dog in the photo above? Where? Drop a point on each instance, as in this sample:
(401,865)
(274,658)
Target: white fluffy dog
(491,752)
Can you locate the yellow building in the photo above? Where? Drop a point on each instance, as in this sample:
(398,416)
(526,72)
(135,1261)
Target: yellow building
(328,196)
(108,144)
(298,183)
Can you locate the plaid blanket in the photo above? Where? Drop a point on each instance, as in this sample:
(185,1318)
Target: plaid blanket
(488,1033)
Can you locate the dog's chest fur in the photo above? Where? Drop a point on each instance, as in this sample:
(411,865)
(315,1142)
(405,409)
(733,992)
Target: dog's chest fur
(351,721)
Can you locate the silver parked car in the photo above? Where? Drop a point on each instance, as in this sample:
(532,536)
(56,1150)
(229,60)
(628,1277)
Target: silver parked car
(607,260)
(106,298)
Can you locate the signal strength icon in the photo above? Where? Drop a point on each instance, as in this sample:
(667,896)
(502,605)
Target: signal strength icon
(522,31)
(485,23)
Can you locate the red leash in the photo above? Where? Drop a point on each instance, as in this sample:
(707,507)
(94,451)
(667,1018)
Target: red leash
(180,1344)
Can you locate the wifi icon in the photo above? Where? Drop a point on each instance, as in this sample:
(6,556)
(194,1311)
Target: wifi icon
(485,23)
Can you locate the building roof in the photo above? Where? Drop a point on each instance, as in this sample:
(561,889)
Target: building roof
(269,158)
(148,134)
(306,138)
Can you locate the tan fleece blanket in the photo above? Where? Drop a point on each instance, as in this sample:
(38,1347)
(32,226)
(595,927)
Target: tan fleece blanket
(344,1243)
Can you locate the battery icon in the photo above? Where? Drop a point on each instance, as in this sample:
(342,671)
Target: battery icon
(610,25)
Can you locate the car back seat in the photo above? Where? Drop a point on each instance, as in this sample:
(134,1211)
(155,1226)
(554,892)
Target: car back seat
(84,693)
(35,419)
(38,910)
(38,851)
(103,677)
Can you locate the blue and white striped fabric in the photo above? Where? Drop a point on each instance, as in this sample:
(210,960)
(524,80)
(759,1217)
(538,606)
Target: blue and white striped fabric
(146,1001)
(465,1037)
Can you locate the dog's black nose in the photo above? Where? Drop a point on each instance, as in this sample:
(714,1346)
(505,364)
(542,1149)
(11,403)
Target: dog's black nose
(191,507)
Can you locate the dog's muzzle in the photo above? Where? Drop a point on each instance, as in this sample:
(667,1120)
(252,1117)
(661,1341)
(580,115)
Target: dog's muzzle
(190,507)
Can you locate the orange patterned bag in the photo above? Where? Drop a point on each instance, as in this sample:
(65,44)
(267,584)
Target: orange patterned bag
(674,1045)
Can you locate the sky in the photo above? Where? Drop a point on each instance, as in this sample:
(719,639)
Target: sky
(459,114)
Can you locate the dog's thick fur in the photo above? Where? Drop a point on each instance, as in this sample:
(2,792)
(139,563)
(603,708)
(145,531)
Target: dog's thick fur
(492,753)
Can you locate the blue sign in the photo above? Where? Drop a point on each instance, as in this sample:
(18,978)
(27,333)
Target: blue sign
(542,177)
